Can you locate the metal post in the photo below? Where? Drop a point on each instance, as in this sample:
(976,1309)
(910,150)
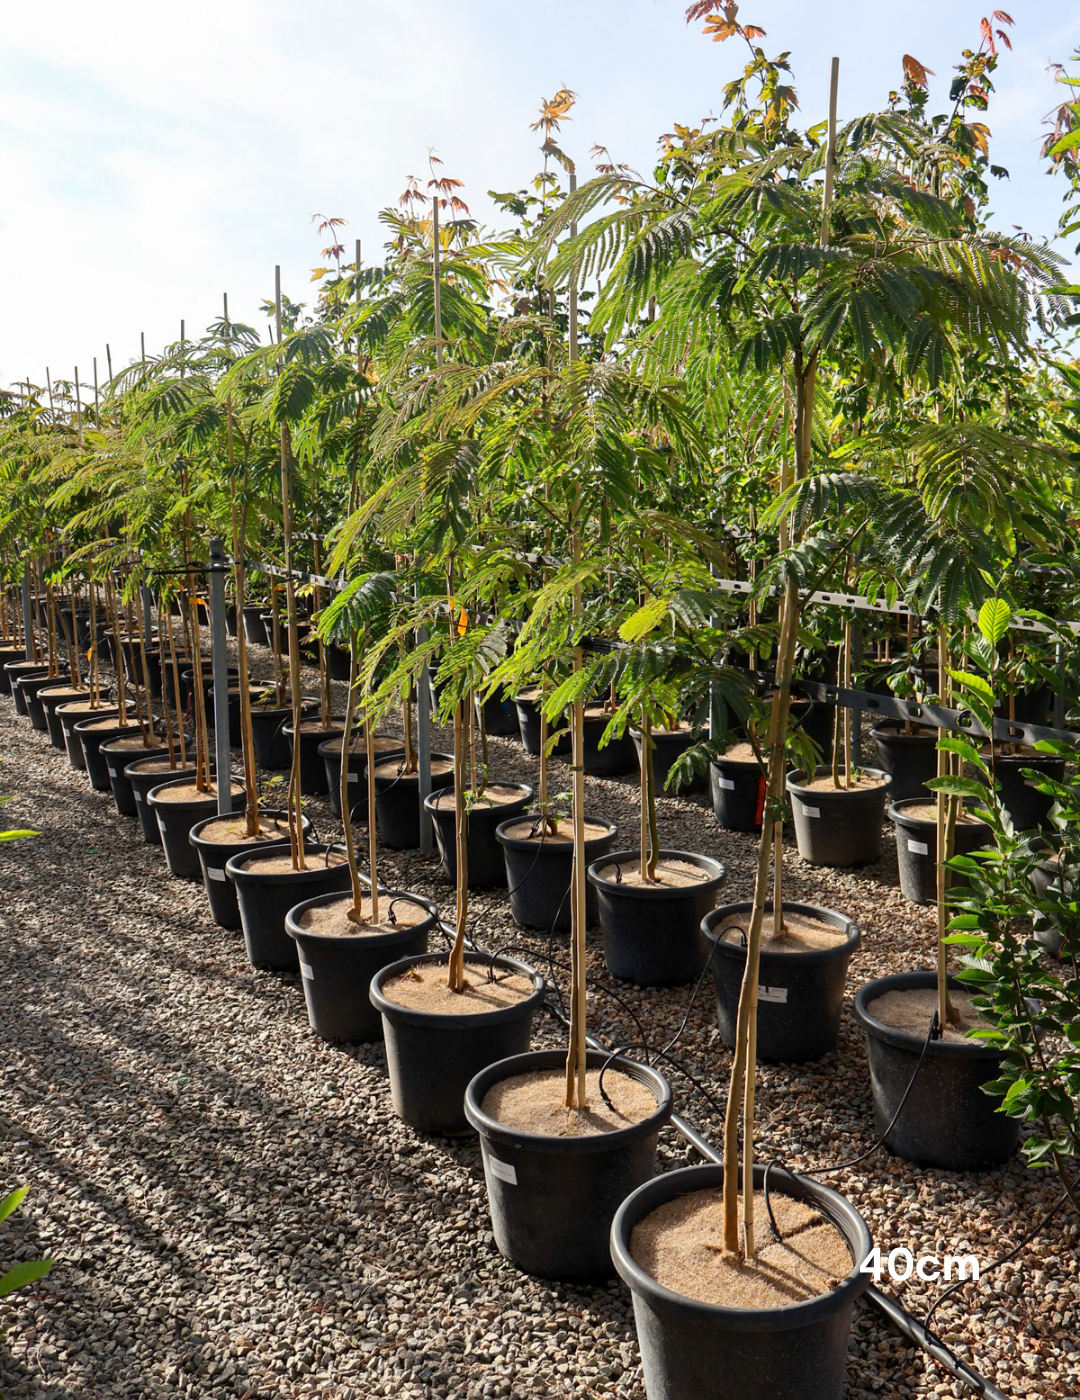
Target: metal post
(220,661)
(854,717)
(28,630)
(423,746)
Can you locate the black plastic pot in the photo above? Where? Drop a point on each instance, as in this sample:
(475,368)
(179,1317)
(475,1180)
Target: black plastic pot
(432,1059)
(801,993)
(266,897)
(142,785)
(337,971)
(330,753)
(313,775)
(538,873)
(338,663)
(487,865)
(668,746)
(31,688)
(1026,805)
(68,721)
(116,762)
(947,1120)
(552,1199)
(835,826)
(690,1350)
(215,855)
(254,630)
(528,714)
(9,654)
(737,789)
(1046,881)
(15,671)
(909,759)
(1030,706)
(97,770)
(916,849)
(816,721)
(499,717)
(187,687)
(617,756)
(236,735)
(653,933)
(175,820)
(230,619)
(272,749)
(50,698)
(397,802)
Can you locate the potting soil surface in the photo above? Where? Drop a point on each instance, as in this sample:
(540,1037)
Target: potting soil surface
(424,988)
(494,795)
(161,765)
(927,812)
(393,768)
(681,1246)
(281,864)
(235,1210)
(741,753)
(189,792)
(911,1011)
(563,833)
(670,874)
(85,707)
(133,744)
(536,1103)
(228,830)
(332,920)
(863,783)
(800,933)
(382,743)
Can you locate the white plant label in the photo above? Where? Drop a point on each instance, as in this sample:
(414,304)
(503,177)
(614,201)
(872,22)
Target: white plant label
(138,797)
(114,773)
(215,874)
(900,1264)
(307,970)
(354,777)
(810,811)
(918,848)
(728,784)
(773,994)
(505,1171)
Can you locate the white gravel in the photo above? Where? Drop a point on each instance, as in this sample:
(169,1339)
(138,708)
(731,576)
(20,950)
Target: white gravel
(234,1209)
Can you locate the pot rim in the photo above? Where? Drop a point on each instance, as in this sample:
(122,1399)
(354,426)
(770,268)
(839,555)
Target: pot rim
(35,667)
(93,719)
(432,801)
(200,844)
(522,843)
(432,1021)
(663,1188)
(839,794)
(884,730)
(277,710)
(366,940)
(235,870)
(102,712)
(81,693)
(654,892)
(187,771)
(359,753)
(896,814)
(409,777)
(903,1040)
(336,730)
(805,957)
(154,801)
(585,1145)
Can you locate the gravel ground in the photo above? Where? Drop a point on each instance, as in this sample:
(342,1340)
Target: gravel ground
(234,1209)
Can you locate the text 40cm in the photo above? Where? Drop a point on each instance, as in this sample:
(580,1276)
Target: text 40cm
(900,1264)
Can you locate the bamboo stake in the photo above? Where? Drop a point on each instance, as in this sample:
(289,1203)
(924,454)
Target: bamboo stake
(296,835)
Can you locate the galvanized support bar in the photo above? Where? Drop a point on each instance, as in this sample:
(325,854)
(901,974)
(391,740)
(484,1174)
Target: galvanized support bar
(28,630)
(220,662)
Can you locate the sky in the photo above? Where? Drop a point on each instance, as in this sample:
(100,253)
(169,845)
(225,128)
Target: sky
(155,156)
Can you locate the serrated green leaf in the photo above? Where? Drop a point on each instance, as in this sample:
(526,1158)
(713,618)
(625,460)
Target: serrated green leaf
(994,618)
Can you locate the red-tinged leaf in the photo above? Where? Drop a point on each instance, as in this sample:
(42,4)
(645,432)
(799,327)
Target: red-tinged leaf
(719,29)
(916,72)
(753,32)
(1004,38)
(1002,17)
(700,9)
